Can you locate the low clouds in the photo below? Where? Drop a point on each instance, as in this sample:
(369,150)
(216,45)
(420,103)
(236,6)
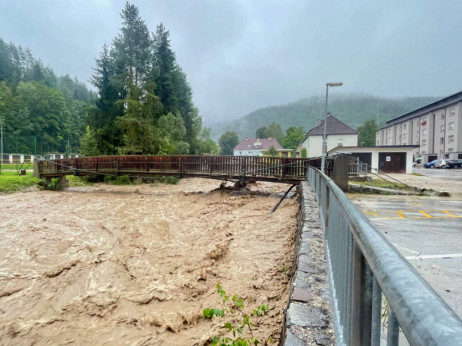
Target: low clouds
(242,55)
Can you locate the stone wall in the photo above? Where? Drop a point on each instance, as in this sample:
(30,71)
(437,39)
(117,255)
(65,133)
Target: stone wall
(309,313)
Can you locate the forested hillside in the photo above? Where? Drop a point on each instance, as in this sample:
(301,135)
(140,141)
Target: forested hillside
(40,111)
(351,109)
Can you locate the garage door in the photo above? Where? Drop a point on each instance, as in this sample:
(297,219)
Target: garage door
(392,162)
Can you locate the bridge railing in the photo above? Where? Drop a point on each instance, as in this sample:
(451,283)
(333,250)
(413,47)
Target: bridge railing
(363,265)
(258,166)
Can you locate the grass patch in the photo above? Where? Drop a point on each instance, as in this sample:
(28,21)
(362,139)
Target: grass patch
(78,181)
(418,174)
(168,180)
(10,181)
(16,166)
(381,184)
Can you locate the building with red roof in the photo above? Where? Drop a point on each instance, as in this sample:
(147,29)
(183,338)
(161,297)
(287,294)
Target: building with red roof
(257,147)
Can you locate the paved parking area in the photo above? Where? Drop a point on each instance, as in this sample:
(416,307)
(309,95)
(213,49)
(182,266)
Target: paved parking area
(427,231)
(443,173)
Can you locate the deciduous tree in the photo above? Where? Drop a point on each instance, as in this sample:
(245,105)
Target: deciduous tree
(228,142)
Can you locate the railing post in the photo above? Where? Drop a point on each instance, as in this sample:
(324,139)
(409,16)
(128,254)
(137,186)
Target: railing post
(361,312)
(376,312)
(76,168)
(393,329)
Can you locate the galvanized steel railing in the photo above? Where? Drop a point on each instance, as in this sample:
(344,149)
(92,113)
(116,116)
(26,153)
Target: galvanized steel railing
(363,265)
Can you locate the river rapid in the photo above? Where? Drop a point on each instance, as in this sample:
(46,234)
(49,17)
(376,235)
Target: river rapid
(136,265)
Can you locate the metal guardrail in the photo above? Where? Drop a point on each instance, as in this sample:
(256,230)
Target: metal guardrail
(363,265)
(356,167)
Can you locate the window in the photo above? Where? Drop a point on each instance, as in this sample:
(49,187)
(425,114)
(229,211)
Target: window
(442,128)
(378,143)
(451,139)
(404,137)
(450,150)
(441,140)
(451,126)
(424,142)
(442,116)
(424,132)
(452,112)
(404,126)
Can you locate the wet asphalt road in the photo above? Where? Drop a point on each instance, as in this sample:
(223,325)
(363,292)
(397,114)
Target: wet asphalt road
(428,232)
(449,174)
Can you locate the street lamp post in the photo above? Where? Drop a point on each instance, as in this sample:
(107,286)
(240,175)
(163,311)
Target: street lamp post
(324,135)
(1,144)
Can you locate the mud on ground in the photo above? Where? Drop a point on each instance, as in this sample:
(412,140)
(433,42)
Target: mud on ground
(136,265)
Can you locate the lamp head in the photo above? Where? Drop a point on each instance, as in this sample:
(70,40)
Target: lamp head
(334,84)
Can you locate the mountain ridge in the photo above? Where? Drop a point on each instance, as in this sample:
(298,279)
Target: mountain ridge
(352,109)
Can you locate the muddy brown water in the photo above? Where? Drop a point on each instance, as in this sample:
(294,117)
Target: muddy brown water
(136,265)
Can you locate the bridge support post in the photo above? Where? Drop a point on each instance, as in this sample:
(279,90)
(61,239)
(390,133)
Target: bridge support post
(242,176)
(37,172)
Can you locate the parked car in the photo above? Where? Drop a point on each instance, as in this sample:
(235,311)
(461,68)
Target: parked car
(454,163)
(435,164)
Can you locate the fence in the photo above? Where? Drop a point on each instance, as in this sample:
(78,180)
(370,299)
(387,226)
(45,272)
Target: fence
(210,166)
(363,265)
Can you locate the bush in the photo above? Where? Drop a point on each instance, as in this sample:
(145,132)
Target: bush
(52,185)
(109,178)
(122,180)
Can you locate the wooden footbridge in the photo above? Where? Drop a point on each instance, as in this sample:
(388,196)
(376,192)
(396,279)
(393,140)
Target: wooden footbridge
(241,168)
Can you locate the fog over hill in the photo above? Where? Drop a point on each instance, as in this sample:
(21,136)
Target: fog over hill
(352,109)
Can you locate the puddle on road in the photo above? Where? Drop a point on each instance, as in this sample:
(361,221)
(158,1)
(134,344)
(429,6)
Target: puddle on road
(138,264)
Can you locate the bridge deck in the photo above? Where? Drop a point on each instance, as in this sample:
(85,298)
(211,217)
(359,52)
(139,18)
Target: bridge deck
(244,168)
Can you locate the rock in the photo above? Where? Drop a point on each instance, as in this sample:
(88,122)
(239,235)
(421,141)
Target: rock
(305,316)
(292,340)
(322,339)
(443,194)
(302,295)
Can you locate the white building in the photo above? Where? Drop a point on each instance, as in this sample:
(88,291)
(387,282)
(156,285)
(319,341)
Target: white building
(256,147)
(435,130)
(386,159)
(337,133)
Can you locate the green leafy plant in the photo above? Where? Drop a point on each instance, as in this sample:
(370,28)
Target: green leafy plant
(122,180)
(52,185)
(235,305)
(109,178)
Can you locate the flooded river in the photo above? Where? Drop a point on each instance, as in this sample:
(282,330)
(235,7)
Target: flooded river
(136,265)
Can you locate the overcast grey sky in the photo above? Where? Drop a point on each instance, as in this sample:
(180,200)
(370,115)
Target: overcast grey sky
(241,55)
